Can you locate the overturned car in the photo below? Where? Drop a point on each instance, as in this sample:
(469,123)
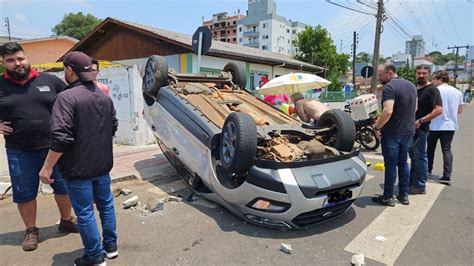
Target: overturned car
(232,148)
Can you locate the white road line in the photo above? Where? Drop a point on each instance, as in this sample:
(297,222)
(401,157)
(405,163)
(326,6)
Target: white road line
(373,156)
(368,177)
(394,227)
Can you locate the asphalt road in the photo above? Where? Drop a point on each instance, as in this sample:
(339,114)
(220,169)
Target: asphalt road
(436,229)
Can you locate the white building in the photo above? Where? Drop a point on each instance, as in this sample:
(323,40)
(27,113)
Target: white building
(415,47)
(264,29)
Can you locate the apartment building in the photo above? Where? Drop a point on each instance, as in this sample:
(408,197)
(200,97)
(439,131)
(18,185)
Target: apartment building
(224,27)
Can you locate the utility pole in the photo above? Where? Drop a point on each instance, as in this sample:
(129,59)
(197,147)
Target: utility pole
(378,31)
(340,47)
(354,47)
(456,61)
(7,24)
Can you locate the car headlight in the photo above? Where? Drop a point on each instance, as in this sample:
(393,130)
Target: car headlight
(268,205)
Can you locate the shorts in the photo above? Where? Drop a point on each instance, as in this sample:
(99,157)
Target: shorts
(24,167)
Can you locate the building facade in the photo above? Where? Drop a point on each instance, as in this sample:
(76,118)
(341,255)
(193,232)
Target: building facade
(224,27)
(415,47)
(262,28)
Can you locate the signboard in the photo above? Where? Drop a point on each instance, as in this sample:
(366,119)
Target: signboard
(206,39)
(367,71)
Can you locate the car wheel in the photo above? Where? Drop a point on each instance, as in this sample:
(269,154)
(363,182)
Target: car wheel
(156,75)
(238,74)
(238,143)
(345,134)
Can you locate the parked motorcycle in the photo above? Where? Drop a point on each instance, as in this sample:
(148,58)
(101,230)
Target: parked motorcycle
(365,131)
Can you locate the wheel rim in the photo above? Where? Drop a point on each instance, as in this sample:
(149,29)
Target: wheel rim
(368,139)
(149,75)
(228,142)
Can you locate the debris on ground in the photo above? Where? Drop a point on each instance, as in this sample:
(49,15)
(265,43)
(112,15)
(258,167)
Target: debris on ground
(117,191)
(379,166)
(358,260)
(286,248)
(131,202)
(175,198)
(154,205)
(368,164)
(125,191)
(380,238)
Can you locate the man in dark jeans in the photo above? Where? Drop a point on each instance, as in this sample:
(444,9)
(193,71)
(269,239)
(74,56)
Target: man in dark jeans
(443,127)
(83,123)
(26,101)
(397,126)
(429,107)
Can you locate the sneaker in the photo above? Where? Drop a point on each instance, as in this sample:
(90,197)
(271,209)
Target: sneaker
(31,239)
(68,226)
(111,252)
(403,200)
(416,191)
(384,201)
(446,181)
(86,261)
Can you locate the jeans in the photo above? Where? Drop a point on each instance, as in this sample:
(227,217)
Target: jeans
(446,137)
(395,155)
(419,160)
(24,167)
(83,193)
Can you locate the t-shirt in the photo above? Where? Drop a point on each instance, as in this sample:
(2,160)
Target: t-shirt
(403,93)
(28,108)
(452,99)
(428,98)
(103,87)
(276,99)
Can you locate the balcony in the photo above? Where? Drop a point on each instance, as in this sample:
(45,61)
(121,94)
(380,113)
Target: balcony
(252,44)
(251,33)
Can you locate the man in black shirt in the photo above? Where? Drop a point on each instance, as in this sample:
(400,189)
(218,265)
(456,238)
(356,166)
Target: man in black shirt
(26,101)
(83,123)
(397,126)
(429,107)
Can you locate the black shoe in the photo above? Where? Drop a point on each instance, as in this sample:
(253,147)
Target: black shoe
(384,201)
(403,200)
(68,226)
(86,261)
(446,181)
(111,252)
(416,191)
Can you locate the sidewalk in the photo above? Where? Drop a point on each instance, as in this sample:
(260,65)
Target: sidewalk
(130,162)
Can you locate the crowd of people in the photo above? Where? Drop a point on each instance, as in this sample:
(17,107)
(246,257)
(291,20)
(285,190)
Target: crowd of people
(62,135)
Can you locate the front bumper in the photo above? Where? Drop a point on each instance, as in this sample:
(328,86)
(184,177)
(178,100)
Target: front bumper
(308,199)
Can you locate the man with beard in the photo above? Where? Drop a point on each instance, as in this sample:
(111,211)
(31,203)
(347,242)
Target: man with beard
(397,126)
(429,107)
(26,101)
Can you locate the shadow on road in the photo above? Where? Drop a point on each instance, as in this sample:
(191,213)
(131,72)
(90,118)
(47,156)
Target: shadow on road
(16,238)
(66,258)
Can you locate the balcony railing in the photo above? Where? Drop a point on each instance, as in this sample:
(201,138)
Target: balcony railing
(251,33)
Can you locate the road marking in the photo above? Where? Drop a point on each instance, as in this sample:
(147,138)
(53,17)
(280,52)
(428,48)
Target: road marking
(368,177)
(373,156)
(395,226)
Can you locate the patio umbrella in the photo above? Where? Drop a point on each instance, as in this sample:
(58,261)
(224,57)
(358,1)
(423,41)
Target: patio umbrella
(292,83)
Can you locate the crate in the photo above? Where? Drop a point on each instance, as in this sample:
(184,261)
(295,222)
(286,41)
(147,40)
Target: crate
(363,106)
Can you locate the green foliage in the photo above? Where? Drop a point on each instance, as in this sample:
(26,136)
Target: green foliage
(363,57)
(2,69)
(440,59)
(76,25)
(315,46)
(408,74)
(334,78)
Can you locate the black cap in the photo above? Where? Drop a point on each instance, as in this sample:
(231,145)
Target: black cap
(81,64)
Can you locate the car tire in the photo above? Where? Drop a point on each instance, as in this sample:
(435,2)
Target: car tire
(156,75)
(345,129)
(238,143)
(238,74)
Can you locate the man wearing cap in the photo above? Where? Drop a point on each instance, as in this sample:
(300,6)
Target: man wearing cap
(83,123)
(26,101)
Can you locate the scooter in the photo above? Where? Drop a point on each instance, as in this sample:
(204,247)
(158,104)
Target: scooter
(365,132)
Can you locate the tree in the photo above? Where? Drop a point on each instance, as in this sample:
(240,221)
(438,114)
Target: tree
(315,46)
(362,57)
(408,74)
(76,25)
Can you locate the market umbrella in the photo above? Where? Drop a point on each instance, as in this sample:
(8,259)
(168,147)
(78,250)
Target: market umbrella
(292,83)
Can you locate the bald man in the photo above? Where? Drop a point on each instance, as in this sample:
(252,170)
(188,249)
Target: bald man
(307,109)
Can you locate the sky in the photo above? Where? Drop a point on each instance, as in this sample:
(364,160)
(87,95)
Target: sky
(442,23)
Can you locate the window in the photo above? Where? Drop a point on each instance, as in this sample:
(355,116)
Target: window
(287,30)
(288,41)
(235,22)
(294,32)
(234,31)
(264,47)
(240,29)
(265,37)
(240,40)
(264,25)
(234,39)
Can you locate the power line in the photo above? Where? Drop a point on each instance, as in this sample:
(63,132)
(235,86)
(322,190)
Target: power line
(355,10)
(439,19)
(367,4)
(452,21)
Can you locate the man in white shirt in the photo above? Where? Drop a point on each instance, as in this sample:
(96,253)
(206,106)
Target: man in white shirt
(443,127)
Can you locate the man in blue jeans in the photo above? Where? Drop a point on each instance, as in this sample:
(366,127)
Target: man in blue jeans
(429,107)
(83,123)
(26,101)
(396,124)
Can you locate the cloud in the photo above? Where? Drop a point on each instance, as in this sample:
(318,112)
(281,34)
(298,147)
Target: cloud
(20,17)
